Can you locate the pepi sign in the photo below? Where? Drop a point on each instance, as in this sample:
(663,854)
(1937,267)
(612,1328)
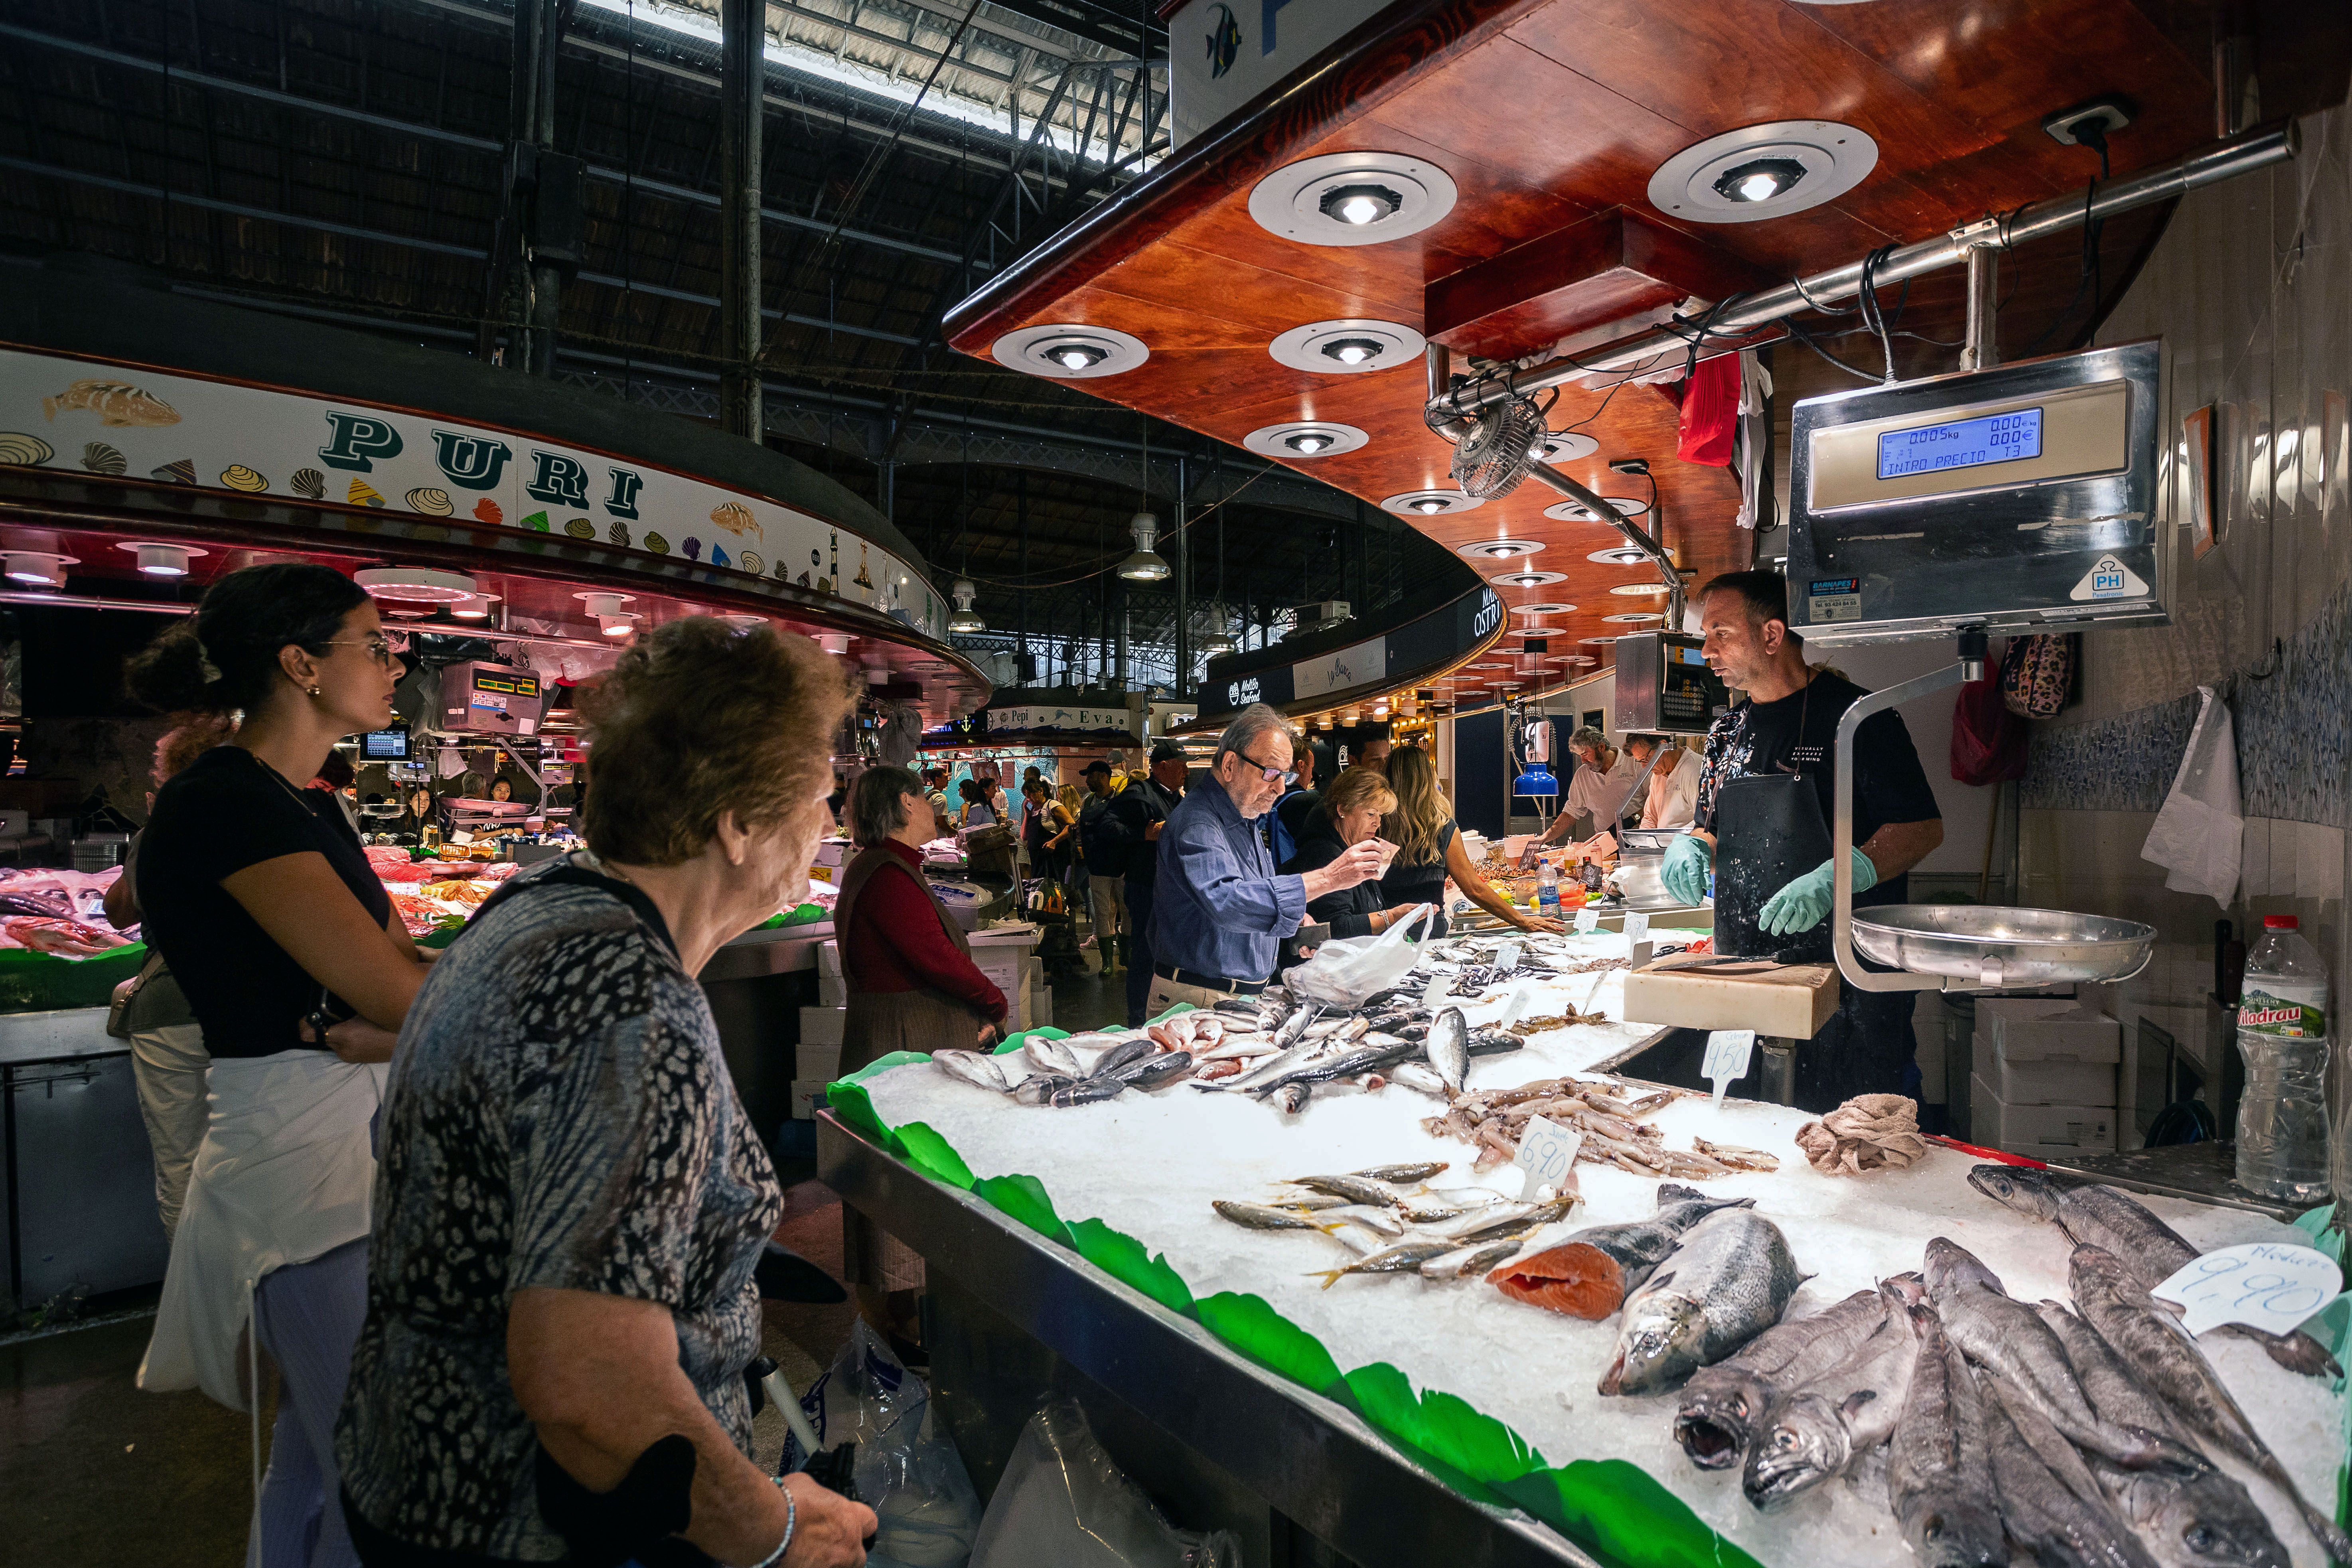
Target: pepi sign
(104,418)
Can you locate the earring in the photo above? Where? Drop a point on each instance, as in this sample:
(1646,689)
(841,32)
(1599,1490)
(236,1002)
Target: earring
(315,691)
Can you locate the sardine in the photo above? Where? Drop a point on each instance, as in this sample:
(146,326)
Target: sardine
(2042,1503)
(1724,1405)
(1291,1098)
(1306,1203)
(2151,1343)
(1447,1045)
(1359,1239)
(1727,1281)
(2123,1227)
(2005,1337)
(972,1068)
(1405,1257)
(1403,1175)
(1494,1220)
(1469,1262)
(1588,1275)
(1938,1470)
(1816,1432)
(1258,1216)
(1052,1055)
(1358,1188)
(1372,1216)
(1466,1197)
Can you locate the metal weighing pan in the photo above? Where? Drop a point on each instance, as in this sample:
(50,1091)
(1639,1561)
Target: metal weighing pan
(1987,945)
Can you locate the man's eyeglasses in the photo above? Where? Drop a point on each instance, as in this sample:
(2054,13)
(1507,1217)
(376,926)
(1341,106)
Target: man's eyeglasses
(1287,776)
(379,649)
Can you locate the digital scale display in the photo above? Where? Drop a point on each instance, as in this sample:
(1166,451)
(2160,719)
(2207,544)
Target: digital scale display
(1960,444)
(519,685)
(384,746)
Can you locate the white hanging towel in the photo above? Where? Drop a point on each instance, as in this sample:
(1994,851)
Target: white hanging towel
(2199,835)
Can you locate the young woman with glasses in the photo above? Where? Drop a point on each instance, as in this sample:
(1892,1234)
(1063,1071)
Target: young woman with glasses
(256,893)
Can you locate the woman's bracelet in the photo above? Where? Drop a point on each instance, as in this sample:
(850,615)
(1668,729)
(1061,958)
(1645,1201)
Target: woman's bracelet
(791,1520)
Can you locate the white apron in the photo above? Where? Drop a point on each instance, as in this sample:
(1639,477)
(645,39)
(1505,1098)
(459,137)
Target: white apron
(283,1176)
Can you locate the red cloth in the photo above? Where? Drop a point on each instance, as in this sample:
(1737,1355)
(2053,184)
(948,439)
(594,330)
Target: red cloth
(1710,412)
(895,942)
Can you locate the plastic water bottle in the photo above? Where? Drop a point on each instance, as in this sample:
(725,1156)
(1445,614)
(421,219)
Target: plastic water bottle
(2282,1131)
(1547,891)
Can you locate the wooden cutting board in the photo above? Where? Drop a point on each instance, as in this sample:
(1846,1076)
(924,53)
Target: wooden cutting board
(1790,1001)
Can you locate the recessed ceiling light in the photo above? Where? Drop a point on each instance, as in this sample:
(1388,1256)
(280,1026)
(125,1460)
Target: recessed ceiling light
(39,569)
(416,585)
(1638,590)
(1431,503)
(1596,642)
(1763,171)
(1758,179)
(1566,447)
(1352,198)
(1528,579)
(1634,617)
(1305,439)
(1076,356)
(1499,549)
(1353,351)
(1495,664)
(1070,351)
(1576,511)
(1620,555)
(1351,346)
(168,560)
(1545,607)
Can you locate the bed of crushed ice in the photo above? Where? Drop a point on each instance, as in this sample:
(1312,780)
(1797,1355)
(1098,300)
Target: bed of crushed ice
(1150,1165)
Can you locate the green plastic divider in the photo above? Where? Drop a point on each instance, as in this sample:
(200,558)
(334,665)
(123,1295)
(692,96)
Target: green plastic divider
(1256,1330)
(847,1099)
(932,1154)
(1125,1260)
(1619,1512)
(34,981)
(1024,1198)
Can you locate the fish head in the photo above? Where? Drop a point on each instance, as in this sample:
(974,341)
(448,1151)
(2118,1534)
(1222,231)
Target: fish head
(1953,1534)
(1951,1267)
(1806,1444)
(2018,1187)
(1713,1423)
(1668,1340)
(2201,1524)
(1904,1290)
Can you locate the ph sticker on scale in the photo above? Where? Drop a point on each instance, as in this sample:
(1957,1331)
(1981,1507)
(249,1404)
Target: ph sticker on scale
(1833,599)
(2109,579)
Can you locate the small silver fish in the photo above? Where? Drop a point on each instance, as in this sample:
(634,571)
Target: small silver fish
(1421,1081)
(1386,1221)
(1052,1055)
(1402,1175)
(1356,1189)
(1258,1216)
(1405,1257)
(1472,1260)
(972,1068)
(1447,1045)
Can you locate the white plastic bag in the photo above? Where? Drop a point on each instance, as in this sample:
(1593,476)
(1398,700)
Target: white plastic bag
(1343,973)
(1063,1504)
(2199,836)
(911,1477)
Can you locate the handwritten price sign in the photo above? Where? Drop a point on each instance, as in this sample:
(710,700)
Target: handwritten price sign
(2265,1285)
(1727,1054)
(1587,922)
(1547,1153)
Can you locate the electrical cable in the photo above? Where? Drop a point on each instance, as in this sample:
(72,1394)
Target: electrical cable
(2093,136)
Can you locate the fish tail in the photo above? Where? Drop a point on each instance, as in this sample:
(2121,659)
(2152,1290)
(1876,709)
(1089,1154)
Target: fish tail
(1329,1276)
(49,409)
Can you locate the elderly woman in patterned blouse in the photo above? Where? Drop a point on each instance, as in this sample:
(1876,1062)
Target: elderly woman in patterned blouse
(569,1200)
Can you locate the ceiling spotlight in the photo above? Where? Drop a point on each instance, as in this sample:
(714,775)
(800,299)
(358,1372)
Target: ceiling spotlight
(1143,567)
(1354,351)
(474,606)
(418,584)
(966,618)
(1505,549)
(163,560)
(604,606)
(1429,506)
(1077,356)
(1758,179)
(1360,204)
(617,624)
(1307,443)
(834,643)
(37,569)
(1620,555)
(1635,617)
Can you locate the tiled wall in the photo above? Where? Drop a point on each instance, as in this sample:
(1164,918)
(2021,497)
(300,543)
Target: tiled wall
(2251,290)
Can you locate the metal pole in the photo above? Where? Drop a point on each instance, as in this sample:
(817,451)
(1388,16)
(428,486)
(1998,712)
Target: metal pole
(546,279)
(1735,327)
(1021,524)
(1981,351)
(1600,507)
(1184,580)
(743,26)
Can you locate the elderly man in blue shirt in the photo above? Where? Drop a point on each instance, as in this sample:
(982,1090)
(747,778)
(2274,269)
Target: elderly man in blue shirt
(1220,910)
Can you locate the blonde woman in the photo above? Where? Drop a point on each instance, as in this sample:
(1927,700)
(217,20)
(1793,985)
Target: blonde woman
(1349,814)
(1429,848)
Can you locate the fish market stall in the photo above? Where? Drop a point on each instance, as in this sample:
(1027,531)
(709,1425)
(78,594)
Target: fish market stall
(1353,1300)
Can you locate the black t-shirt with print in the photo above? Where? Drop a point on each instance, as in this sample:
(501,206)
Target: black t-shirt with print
(1799,733)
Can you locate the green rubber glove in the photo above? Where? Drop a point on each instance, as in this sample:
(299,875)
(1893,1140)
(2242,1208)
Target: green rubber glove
(1805,902)
(1688,859)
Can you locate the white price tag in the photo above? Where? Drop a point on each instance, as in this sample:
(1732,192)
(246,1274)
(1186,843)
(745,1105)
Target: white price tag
(1516,1005)
(1637,925)
(1547,1153)
(1587,922)
(1506,957)
(1433,996)
(1729,1052)
(2270,1286)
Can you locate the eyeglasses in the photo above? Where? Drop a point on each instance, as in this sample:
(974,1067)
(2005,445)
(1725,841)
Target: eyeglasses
(379,649)
(1285,775)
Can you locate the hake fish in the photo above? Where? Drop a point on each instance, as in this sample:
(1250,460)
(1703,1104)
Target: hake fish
(1447,1046)
(972,1068)
(1588,1275)
(1120,1054)
(2120,1225)
(1052,1055)
(1727,1281)
(1724,1405)
(2049,1500)
(2151,1343)
(1817,1430)
(2005,1336)
(2203,1521)
(1938,1471)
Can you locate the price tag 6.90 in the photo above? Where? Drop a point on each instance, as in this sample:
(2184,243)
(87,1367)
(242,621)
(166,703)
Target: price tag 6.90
(1547,1153)
(1587,922)
(2266,1284)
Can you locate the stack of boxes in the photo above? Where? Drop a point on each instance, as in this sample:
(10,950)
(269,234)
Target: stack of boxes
(2044,1084)
(1004,956)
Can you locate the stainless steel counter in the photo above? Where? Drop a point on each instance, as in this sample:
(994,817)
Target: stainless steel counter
(1308,1459)
(2205,1172)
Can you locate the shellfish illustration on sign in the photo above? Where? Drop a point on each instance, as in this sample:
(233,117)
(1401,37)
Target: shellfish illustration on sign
(116,403)
(580,527)
(619,534)
(487,511)
(182,472)
(750,561)
(20,450)
(100,459)
(432,501)
(237,477)
(309,483)
(361,493)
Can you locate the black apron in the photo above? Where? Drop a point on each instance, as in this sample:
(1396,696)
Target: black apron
(1767,830)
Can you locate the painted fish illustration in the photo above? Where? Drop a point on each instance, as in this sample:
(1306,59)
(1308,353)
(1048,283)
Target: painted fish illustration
(733,516)
(116,403)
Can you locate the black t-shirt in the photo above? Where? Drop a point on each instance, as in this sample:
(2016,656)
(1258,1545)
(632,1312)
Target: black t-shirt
(224,811)
(1799,733)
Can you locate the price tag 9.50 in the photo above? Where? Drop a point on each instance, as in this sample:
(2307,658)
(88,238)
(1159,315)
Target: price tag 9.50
(1729,1052)
(2269,1286)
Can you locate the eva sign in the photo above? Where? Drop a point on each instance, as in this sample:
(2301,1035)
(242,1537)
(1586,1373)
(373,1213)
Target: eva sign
(1547,1153)
(2265,1285)
(159,428)
(1729,1052)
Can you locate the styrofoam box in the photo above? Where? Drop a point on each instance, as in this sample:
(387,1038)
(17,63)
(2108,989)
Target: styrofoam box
(822,1025)
(2072,1129)
(831,991)
(2053,1082)
(822,1063)
(2078,1034)
(828,957)
(804,1095)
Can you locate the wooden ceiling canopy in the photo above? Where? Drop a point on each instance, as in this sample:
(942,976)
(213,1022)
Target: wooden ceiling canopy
(1550,117)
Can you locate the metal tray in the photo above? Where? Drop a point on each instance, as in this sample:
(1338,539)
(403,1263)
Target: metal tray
(1992,946)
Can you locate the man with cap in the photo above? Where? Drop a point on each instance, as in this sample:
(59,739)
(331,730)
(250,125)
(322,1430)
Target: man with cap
(1219,909)
(1143,808)
(1106,843)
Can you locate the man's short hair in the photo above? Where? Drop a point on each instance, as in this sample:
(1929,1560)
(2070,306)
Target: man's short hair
(1257,719)
(1647,742)
(1587,739)
(1764,592)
